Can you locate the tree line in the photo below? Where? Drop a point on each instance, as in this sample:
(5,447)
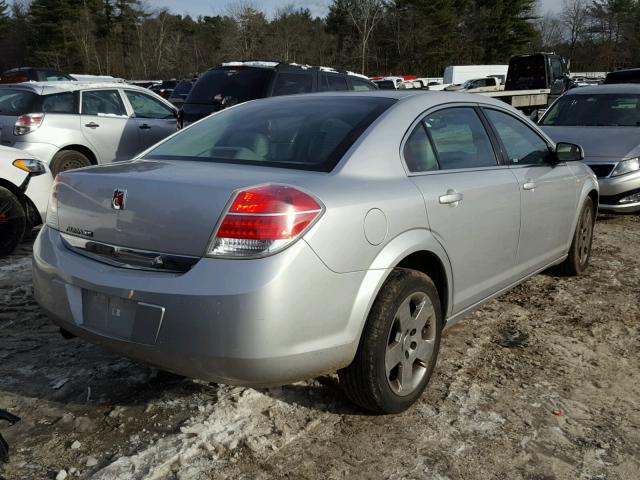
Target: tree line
(126,38)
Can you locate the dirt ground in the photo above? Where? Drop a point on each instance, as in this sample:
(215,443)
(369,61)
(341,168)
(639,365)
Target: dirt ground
(541,384)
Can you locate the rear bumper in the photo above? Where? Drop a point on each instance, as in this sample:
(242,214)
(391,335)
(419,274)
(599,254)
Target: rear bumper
(244,322)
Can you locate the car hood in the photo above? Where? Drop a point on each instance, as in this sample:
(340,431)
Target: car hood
(612,143)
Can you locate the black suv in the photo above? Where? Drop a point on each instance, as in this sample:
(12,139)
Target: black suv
(237,82)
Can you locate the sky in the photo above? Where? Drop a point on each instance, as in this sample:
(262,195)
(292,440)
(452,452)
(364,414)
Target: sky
(317,7)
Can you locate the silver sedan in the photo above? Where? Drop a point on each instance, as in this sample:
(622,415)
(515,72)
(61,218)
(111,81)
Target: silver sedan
(289,237)
(605,120)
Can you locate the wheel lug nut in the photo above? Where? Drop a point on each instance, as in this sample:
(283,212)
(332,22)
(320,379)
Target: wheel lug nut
(413,345)
(413,332)
(406,354)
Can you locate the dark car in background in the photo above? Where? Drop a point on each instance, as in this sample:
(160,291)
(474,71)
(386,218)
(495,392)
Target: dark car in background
(30,74)
(236,82)
(164,89)
(181,92)
(629,75)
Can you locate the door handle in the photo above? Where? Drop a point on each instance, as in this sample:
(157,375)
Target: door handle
(451,198)
(529,184)
(92,125)
(145,126)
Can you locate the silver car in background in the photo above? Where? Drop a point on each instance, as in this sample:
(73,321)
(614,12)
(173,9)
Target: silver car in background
(288,237)
(605,120)
(72,124)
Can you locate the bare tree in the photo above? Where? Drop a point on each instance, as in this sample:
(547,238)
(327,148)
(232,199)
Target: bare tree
(364,15)
(574,18)
(550,29)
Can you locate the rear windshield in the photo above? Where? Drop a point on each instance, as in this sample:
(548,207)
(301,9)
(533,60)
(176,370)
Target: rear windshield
(182,89)
(607,110)
(526,73)
(241,84)
(300,133)
(16,102)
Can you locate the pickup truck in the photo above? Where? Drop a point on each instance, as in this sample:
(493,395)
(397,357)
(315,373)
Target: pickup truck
(477,85)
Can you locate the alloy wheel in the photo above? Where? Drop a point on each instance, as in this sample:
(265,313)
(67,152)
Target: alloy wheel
(410,344)
(585,233)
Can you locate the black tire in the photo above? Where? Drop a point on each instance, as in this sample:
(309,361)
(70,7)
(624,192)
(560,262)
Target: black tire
(68,160)
(369,381)
(13,221)
(580,250)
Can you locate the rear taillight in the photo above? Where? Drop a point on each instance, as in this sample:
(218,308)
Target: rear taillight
(52,208)
(263,220)
(28,123)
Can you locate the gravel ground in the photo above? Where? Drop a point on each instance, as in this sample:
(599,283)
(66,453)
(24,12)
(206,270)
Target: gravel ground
(541,384)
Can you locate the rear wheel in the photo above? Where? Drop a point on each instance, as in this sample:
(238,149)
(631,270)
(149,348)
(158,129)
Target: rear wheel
(68,160)
(399,345)
(13,222)
(580,251)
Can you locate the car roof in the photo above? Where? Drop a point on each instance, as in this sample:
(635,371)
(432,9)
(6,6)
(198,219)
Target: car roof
(426,98)
(46,88)
(614,88)
(284,66)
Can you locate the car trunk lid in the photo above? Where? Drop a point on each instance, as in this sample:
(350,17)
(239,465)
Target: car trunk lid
(165,206)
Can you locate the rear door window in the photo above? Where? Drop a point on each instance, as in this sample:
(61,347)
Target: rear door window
(292,83)
(59,103)
(103,103)
(418,152)
(460,139)
(336,83)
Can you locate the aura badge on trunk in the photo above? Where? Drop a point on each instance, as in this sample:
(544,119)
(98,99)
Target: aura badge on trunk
(117,202)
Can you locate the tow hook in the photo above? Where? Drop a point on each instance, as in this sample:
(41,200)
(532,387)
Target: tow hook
(4,446)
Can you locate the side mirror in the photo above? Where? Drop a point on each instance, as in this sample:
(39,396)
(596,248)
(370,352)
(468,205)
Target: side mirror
(569,152)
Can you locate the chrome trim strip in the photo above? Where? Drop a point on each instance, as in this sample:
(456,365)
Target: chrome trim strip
(284,214)
(131,258)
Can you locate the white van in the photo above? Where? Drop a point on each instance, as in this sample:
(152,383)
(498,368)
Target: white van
(458,74)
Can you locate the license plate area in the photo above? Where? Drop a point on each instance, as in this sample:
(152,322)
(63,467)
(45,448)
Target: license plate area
(121,318)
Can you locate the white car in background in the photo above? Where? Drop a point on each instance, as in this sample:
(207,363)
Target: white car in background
(25,185)
(72,124)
